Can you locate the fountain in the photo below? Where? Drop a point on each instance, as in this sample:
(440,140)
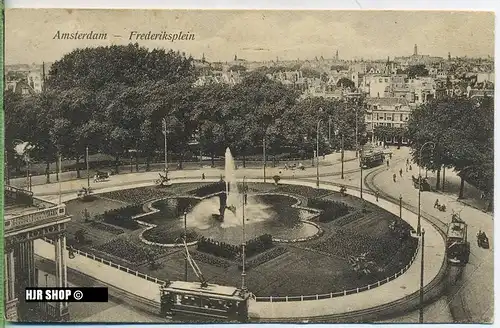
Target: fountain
(221,216)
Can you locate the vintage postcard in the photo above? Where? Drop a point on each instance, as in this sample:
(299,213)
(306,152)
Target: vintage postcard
(181,166)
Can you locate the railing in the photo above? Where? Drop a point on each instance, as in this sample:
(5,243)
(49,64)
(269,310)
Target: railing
(112,264)
(33,217)
(341,293)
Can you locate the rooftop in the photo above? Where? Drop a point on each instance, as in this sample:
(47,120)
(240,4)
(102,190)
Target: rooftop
(387,101)
(216,290)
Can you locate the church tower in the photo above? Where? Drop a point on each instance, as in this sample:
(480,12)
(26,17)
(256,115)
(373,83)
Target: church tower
(337,55)
(449,56)
(415,51)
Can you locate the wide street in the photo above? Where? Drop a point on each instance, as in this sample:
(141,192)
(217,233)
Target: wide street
(469,299)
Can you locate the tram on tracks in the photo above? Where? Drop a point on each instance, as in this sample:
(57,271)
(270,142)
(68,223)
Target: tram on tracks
(185,301)
(371,156)
(457,246)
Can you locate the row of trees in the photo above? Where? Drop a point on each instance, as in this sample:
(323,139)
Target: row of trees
(463,132)
(383,132)
(113,99)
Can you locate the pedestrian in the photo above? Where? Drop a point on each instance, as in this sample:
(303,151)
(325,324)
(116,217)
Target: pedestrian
(406,167)
(401,172)
(387,163)
(390,155)
(203,176)
(376,195)
(410,167)
(394,177)
(407,161)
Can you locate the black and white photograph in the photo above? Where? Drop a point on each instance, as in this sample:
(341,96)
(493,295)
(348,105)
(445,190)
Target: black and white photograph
(248,166)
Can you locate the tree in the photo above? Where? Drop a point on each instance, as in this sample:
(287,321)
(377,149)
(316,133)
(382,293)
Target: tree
(416,71)
(345,83)
(462,131)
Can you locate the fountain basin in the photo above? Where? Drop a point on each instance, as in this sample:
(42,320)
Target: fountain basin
(279,215)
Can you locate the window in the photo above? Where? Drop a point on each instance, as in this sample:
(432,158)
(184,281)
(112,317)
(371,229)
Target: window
(401,117)
(25,91)
(386,80)
(379,80)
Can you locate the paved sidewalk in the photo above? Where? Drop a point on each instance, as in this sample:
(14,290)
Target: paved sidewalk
(405,285)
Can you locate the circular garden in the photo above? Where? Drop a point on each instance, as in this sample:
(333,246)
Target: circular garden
(348,243)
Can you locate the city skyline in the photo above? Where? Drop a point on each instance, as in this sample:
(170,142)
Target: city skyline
(253,35)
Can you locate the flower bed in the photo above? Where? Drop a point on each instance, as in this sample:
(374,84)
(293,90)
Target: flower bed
(163,234)
(105,227)
(128,250)
(331,210)
(210,259)
(122,216)
(263,258)
(231,252)
(302,190)
(209,189)
(139,195)
(389,254)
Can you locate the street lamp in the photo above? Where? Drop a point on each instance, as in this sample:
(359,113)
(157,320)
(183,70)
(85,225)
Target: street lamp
(433,145)
(421,310)
(400,206)
(317,154)
(164,125)
(243,274)
(87,164)
(342,156)
(356,137)
(264,155)
(185,241)
(46,280)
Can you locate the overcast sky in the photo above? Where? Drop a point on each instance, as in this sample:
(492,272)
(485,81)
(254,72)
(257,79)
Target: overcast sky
(255,35)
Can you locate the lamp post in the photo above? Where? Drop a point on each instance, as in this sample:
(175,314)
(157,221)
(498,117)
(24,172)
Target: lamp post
(356,137)
(433,145)
(342,156)
(87,164)
(185,240)
(317,154)
(164,124)
(46,280)
(330,129)
(421,310)
(400,206)
(361,178)
(264,155)
(243,244)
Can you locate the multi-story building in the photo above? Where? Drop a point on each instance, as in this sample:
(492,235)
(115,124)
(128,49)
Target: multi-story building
(392,112)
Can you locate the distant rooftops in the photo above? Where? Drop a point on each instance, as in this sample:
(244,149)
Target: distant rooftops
(387,101)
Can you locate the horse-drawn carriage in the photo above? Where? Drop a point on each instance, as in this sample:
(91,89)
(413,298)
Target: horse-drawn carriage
(421,183)
(101,176)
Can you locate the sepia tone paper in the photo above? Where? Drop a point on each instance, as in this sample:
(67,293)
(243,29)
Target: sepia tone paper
(250,165)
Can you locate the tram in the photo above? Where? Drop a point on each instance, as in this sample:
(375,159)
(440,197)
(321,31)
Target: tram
(190,301)
(201,301)
(457,246)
